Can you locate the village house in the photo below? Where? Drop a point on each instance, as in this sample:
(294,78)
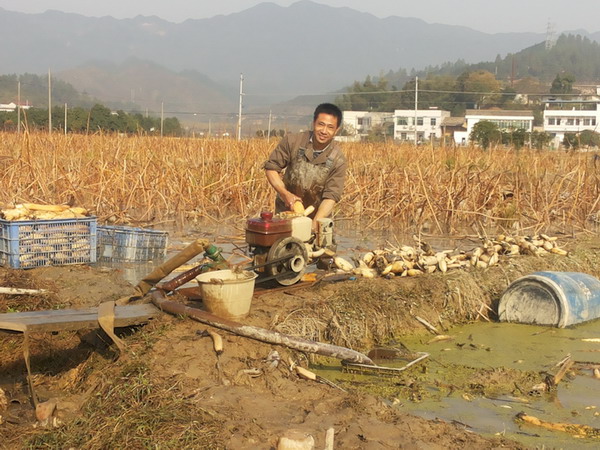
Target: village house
(7,107)
(571,115)
(450,127)
(505,120)
(358,124)
(561,115)
(12,106)
(424,124)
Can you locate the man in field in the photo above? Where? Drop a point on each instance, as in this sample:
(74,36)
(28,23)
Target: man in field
(313,165)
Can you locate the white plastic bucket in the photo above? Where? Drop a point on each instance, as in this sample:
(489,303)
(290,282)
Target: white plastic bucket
(226,293)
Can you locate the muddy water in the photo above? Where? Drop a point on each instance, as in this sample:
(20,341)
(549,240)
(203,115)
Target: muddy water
(501,345)
(527,348)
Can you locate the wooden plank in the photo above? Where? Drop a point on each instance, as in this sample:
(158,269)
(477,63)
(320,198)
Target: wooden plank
(74,319)
(39,316)
(52,312)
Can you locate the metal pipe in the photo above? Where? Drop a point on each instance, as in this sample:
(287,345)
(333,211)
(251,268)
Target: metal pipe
(181,279)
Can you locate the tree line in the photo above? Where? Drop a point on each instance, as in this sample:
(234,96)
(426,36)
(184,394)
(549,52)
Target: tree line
(487,134)
(470,90)
(97,118)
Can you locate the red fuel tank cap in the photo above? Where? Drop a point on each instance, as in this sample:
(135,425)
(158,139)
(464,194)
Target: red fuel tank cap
(266,216)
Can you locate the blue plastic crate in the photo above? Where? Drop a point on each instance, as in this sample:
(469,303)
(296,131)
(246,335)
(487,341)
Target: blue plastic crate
(26,244)
(129,244)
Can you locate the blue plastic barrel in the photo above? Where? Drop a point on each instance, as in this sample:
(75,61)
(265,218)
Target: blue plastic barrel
(551,298)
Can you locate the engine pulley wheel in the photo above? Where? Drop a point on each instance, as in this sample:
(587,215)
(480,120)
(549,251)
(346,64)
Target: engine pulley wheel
(289,271)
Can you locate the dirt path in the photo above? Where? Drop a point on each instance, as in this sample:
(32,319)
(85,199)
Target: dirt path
(169,389)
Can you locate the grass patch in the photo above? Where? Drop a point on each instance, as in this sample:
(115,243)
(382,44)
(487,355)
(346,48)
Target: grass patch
(134,410)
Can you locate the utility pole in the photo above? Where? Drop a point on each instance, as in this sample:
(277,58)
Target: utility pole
(19,106)
(416,105)
(269,129)
(65,119)
(239,130)
(512,72)
(209,125)
(49,103)
(162,117)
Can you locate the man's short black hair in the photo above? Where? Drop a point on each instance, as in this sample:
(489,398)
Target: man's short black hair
(331,109)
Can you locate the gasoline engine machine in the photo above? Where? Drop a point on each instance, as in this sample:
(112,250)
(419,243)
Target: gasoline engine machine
(283,245)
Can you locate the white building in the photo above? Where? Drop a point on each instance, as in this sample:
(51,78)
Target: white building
(12,106)
(358,124)
(7,107)
(505,120)
(425,123)
(570,116)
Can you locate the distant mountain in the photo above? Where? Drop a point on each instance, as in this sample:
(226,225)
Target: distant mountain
(34,91)
(573,54)
(305,48)
(584,33)
(137,84)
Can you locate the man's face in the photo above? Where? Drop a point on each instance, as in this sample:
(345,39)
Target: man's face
(325,127)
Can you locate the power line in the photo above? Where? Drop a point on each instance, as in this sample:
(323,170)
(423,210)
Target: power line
(230,115)
(411,91)
(322,94)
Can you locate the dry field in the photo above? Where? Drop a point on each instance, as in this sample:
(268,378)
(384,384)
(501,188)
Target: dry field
(156,180)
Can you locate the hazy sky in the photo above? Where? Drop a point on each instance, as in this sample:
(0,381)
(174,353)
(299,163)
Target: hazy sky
(491,16)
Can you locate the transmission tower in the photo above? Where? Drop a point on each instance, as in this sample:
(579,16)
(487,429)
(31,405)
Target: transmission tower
(550,35)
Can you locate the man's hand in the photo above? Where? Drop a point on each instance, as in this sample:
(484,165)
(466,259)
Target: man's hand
(290,199)
(275,180)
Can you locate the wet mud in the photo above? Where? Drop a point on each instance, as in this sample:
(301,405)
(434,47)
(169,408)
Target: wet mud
(171,389)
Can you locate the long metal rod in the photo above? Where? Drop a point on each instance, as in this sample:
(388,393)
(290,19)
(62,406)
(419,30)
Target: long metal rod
(416,106)
(49,103)
(192,273)
(383,369)
(19,106)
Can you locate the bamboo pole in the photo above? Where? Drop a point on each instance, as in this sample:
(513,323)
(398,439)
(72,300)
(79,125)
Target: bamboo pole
(19,291)
(259,334)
